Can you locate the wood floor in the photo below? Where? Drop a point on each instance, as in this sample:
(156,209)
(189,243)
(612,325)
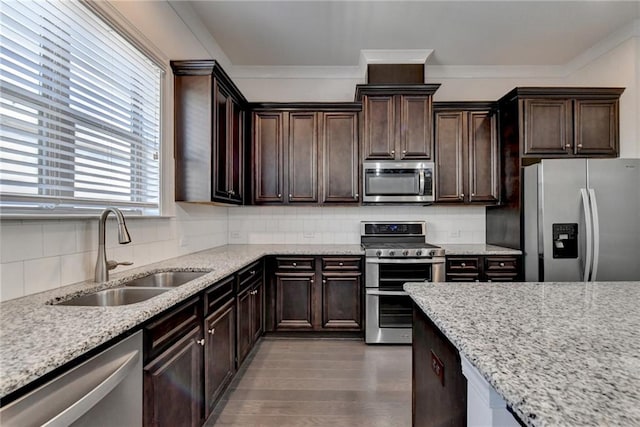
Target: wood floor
(336,383)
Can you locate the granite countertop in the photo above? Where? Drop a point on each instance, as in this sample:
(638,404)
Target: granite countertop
(37,337)
(477,249)
(558,353)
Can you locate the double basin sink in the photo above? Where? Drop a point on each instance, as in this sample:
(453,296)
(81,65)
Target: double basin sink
(136,290)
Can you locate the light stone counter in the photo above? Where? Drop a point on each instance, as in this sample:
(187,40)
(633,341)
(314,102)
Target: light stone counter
(558,353)
(477,249)
(37,337)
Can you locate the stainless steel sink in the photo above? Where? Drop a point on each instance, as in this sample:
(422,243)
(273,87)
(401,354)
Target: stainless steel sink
(165,279)
(115,296)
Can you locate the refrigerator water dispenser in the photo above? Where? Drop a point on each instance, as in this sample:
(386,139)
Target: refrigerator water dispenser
(565,240)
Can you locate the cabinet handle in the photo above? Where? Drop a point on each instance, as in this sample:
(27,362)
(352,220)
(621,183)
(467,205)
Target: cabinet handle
(463,265)
(295,264)
(356,196)
(579,145)
(231,192)
(501,264)
(212,331)
(567,146)
(252,272)
(201,342)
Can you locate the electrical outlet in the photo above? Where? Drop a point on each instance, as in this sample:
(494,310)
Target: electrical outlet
(454,233)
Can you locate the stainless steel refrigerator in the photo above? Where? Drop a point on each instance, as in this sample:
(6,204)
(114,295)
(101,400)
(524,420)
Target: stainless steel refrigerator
(582,220)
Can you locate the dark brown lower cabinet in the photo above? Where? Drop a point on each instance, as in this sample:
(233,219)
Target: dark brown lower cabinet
(219,353)
(173,384)
(250,303)
(321,293)
(340,294)
(484,268)
(439,395)
(294,299)
(244,324)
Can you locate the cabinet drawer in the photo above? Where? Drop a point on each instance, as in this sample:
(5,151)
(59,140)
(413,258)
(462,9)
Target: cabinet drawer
(218,294)
(500,264)
(463,265)
(249,275)
(298,263)
(502,277)
(470,277)
(163,332)
(343,263)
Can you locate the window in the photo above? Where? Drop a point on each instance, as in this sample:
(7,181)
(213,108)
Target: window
(79,113)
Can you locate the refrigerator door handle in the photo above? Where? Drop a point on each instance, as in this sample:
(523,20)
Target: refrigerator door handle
(596,233)
(588,226)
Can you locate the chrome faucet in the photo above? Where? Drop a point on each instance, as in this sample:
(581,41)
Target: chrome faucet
(102,265)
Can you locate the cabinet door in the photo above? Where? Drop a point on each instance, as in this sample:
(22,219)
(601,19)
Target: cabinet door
(219,361)
(221,144)
(341,301)
(173,384)
(379,127)
(244,336)
(303,157)
(450,142)
(483,157)
(294,301)
(415,128)
(339,154)
(547,125)
(268,157)
(596,127)
(257,311)
(235,158)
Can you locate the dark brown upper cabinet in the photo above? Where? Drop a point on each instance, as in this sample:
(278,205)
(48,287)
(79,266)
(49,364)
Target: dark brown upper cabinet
(209,133)
(397,121)
(466,152)
(568,122)
(303,155)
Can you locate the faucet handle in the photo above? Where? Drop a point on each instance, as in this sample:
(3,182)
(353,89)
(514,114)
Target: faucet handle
(111,264)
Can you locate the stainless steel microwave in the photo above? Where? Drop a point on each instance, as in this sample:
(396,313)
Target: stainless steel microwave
(397,182)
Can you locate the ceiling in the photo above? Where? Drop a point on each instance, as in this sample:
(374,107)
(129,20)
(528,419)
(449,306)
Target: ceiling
(332,33)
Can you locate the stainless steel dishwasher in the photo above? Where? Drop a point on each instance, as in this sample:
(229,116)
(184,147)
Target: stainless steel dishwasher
(105,390)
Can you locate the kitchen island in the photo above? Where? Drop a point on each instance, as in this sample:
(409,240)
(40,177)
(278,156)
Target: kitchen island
(557,353)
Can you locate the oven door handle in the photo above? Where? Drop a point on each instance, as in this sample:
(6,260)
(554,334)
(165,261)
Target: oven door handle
(386,293)
(436,260)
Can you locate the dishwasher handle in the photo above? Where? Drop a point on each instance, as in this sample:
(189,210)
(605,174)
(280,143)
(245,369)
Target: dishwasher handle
(83,405)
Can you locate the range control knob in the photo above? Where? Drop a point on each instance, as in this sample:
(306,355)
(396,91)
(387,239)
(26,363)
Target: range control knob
(378,252)
(392,253)
(419,252)
(405,252)
(432,253)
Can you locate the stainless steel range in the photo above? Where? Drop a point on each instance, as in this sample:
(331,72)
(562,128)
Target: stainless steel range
(396,253)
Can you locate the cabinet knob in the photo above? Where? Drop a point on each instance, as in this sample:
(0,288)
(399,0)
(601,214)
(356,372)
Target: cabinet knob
(212,331)
(324,280)
(311,281)
(356,196)
(290,195)
(279,195)
(567,145)
(252,272)
(463,265)
(201,342)
(393,151)
(231,192)
(462,195)
(501,264)
(341,264)
(295,264)
(404,151)
(473,194)
(579,145)
(254,292)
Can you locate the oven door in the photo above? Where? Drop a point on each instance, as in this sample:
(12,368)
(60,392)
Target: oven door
(388,316)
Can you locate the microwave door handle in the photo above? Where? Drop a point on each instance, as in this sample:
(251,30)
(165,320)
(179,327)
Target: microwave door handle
(421,182)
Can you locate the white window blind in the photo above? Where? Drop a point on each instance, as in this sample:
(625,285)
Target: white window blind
(79,113)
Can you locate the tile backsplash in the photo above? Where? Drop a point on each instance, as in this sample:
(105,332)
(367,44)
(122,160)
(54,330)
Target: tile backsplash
(38,255)
(328,225)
